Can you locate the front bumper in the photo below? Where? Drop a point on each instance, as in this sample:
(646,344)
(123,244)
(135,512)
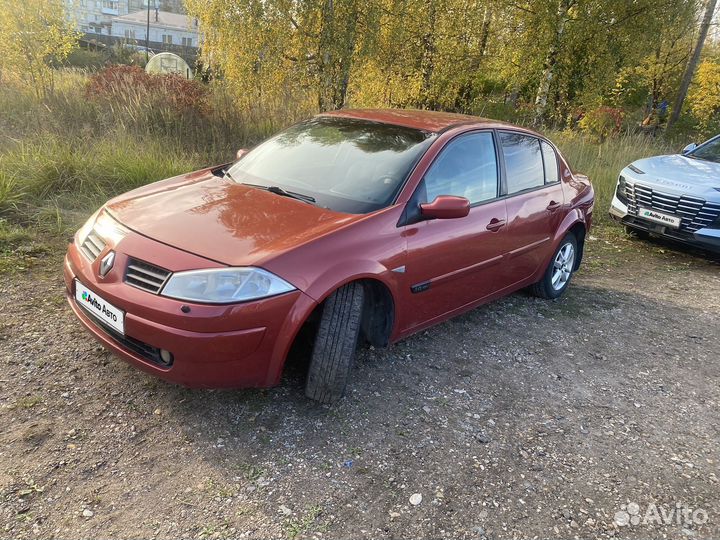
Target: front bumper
(706,238)
(226,346)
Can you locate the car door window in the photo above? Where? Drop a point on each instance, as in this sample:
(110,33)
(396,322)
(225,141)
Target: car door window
(467,167)
(552,174)
(523,162)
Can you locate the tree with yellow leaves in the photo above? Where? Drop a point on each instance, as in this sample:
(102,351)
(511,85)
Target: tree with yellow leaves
(704,95)
(33,35)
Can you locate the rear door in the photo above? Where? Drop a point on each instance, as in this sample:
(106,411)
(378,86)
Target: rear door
(452,262)
(535,202)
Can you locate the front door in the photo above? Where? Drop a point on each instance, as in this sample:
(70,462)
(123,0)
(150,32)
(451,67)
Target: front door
(452,262)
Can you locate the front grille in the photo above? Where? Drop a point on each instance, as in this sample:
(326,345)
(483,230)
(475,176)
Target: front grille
(146,276)
(696,213)
(92,246)
(140,348)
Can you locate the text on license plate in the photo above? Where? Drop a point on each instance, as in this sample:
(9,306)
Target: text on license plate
(659,217)
(99,308)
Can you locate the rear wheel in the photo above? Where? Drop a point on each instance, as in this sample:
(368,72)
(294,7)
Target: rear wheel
(559,272)
(335,343)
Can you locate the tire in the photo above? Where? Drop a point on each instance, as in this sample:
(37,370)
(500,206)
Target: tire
(551,287)
(335,344)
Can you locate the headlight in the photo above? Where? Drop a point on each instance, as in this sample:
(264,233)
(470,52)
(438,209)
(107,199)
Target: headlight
(621,190)
(83,231)
(225,285)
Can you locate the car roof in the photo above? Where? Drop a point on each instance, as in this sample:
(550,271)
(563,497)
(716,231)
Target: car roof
(432,121)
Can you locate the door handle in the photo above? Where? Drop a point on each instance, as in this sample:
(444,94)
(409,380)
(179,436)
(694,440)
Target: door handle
(553,206)
(495,224)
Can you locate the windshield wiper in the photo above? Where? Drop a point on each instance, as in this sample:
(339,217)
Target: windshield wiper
(277,190)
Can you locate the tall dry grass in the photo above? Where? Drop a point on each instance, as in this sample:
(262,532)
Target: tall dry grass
(64,155)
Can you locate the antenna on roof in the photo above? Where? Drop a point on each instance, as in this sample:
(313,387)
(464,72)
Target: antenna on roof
(147,35)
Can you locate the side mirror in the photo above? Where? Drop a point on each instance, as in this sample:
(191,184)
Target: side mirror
(241,153)
(689,148)
(445,207)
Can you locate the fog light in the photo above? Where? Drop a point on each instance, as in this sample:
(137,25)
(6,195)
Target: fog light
(166,357)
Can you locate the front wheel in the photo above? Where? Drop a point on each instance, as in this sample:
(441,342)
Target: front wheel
(559,272)
(335,343)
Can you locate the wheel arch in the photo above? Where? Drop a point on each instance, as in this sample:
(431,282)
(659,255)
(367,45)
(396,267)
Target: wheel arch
(379,314)
(579,230)
(574,223)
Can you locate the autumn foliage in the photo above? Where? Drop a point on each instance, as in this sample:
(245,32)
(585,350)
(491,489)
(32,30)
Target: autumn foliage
(602,122)
(704,97)
(124,84)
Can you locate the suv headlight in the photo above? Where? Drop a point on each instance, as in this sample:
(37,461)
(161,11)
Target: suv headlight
(621,190)
(225,285)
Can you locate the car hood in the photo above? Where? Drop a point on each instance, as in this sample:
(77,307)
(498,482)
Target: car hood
(679,172)
(220,220)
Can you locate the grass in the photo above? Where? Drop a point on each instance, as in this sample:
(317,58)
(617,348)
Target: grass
(297,527)
(79,174)
(28,402)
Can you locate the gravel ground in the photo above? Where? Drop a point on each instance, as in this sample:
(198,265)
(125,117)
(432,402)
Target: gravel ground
(520,419)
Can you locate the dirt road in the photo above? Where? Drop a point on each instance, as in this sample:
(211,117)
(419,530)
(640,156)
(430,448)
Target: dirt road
(520,419)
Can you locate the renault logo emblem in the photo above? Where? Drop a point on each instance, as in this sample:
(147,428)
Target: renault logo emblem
(107,263)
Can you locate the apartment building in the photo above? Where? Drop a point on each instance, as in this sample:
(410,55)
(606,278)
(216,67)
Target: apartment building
(96,16)
(166,29)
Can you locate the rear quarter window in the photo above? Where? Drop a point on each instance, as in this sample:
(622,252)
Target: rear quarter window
(551,163)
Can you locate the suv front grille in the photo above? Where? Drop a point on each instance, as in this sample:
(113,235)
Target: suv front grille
(696,213)
(146,276)
(92,246)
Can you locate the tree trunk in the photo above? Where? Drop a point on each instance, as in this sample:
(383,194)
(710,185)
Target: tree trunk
(485,30)
(326,57)
(346,57)
(541,98)
(693,63)
(427,63)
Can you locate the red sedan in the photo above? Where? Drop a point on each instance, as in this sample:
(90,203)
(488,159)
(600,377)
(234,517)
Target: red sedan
(356,223)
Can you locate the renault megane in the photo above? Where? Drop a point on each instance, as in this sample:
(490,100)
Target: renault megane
(356,224)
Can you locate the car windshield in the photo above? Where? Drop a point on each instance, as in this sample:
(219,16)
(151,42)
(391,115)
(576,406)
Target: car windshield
(346,165)
(710,151)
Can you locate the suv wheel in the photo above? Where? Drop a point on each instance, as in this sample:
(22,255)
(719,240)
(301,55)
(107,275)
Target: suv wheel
(335,343)
(559,272)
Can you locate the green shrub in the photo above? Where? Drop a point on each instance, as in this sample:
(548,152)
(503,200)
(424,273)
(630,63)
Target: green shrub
(87,59)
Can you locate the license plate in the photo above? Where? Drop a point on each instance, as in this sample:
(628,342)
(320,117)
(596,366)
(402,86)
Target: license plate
(99,308)
(659,217)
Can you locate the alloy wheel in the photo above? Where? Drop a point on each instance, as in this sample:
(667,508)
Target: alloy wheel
(563,266)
